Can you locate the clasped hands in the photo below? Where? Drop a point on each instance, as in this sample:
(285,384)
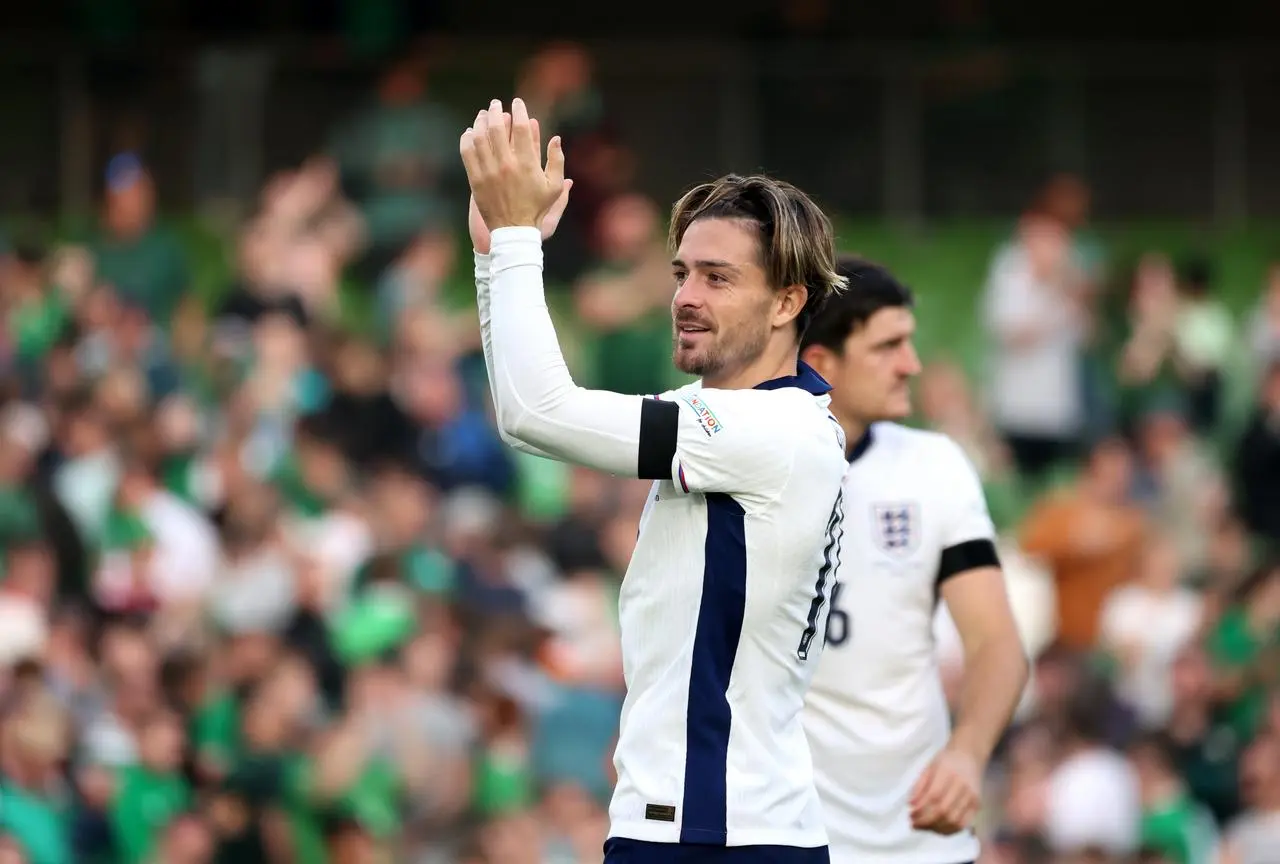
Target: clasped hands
(510,185)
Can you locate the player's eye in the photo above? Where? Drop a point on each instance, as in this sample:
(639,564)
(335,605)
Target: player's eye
(717,279)
(679,276)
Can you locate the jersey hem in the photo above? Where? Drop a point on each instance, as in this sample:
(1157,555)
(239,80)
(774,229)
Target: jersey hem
(840,852)
(669,833)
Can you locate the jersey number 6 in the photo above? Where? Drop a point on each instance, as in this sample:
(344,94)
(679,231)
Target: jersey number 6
(837,619)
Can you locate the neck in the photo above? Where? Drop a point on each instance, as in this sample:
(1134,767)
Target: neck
(854,428)
(772,363)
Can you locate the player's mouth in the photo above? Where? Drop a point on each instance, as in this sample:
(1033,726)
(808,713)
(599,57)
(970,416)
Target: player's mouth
(688,335)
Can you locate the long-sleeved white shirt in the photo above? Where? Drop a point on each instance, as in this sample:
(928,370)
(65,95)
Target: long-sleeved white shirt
(724,603)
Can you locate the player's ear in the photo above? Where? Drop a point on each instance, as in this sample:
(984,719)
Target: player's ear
(789,303)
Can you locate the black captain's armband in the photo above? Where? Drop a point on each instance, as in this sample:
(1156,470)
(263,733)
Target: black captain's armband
(659,429)
(969,555)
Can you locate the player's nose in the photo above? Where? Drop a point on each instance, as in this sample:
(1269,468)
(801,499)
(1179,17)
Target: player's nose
(690,294)
(911,364)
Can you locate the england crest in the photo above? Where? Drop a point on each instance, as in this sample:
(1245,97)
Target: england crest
(896,527)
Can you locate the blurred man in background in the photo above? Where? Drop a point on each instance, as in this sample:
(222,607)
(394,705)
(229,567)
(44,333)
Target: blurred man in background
(897,784)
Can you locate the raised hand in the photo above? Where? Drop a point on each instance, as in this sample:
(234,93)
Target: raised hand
(509,184)
(480,231)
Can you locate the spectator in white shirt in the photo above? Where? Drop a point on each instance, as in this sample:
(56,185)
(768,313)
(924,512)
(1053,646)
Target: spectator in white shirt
(1035,317)
(1144,626)
(1091,800)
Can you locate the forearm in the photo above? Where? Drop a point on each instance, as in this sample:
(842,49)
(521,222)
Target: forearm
(994,678)
(482,274)
(537,401)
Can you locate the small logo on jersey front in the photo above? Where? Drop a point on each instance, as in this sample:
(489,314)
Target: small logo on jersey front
(709,422)
(659,813)
(896,527)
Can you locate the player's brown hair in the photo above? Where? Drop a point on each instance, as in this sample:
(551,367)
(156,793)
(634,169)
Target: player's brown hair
(797,242)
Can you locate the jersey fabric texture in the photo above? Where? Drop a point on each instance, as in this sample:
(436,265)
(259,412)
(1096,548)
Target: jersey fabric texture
(914,516)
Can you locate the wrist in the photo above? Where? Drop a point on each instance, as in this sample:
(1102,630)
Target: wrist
(515,246)
(966,742)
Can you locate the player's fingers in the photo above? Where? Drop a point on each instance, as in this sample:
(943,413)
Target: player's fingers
(499,140)
(959,804)
(470,161)
(953,805)
(930,807)
(522,141)
(484,158)
(555,164)
(927,820)
(921,788)
(536,128)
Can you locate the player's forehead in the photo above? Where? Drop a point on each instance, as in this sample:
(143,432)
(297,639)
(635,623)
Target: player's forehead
(887,324)
(733,242)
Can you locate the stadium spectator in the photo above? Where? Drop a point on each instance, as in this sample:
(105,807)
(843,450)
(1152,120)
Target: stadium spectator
(140,259)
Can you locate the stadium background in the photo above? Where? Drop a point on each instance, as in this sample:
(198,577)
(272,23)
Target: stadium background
(257,609)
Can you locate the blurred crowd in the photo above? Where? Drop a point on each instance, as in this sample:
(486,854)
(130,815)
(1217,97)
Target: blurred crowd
(274,591)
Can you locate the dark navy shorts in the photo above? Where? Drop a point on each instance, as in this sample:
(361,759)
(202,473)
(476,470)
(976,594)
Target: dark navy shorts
(618,850)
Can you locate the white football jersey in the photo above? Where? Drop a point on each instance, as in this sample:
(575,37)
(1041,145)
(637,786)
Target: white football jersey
(723,605)
(722,611)
(914,515)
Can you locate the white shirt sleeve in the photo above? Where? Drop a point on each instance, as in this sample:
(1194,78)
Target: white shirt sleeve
(968,535)
(482,266)
(712,441)
(732,441)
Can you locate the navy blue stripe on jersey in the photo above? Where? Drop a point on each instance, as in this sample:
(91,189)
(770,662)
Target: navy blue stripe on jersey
(806,378)
(969,555)
(619,850)
(830,563)
(715,644)
(659,431)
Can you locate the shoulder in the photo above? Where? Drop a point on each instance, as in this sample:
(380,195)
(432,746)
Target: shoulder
(929,450)
(788,409)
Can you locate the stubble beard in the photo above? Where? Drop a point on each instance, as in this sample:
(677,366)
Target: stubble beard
(734,351)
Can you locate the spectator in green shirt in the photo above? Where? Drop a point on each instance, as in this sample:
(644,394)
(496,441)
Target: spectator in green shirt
(143,261)
(624,300)
(398,157)
(1243,647)
(34,808)
(36,313)
(1173,822)
(152,793)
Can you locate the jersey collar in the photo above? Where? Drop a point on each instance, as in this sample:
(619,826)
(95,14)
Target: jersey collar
(805,378)
(861,446)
